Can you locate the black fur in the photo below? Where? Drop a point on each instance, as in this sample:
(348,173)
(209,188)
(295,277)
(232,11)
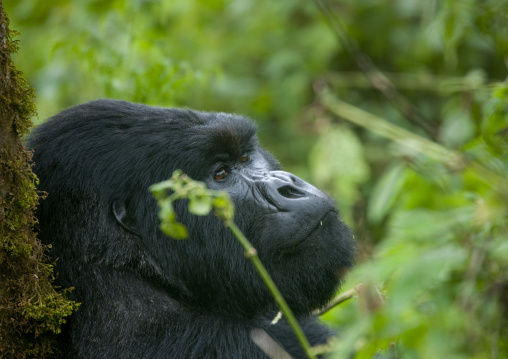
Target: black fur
(145,295)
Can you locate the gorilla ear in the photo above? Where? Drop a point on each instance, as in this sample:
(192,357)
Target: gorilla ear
(123,218)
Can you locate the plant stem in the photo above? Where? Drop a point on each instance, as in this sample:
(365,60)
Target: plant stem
(251,253)
(393,132)
(341,298)
(452,159)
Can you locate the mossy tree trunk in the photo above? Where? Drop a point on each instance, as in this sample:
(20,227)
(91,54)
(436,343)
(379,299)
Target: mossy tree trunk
(31,310)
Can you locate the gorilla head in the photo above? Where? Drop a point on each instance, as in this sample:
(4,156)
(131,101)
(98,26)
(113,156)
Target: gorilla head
(146,295)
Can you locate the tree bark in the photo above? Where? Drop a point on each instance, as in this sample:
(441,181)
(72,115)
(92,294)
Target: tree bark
(31,310)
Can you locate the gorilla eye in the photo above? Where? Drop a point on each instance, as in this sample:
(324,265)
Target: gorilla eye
(220,174)
(244,158)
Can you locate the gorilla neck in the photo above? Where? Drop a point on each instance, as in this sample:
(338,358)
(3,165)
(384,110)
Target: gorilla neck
(148,318)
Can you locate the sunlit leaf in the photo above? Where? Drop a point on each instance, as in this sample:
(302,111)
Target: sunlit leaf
(174,230)
(385,192)
(200,205)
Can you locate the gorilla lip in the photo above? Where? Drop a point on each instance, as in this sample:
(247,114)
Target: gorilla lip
(322,220)
(309,234)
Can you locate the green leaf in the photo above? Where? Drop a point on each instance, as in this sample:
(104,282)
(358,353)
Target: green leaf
(200,205)
(174,230)
(385,192)
(161,186)
(224,207)
(222,201)
(166,212)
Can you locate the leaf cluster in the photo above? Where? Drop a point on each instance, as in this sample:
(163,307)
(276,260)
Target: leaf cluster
(201,202)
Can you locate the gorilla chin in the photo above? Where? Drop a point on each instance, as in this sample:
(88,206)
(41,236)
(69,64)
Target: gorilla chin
(330,219)
(145,295)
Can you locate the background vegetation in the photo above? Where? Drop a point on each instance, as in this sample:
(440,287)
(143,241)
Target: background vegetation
(420,173)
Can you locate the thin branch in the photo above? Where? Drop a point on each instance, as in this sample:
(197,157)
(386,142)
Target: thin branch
(341,298)
(452,159)
(251,253)
(393,132)
(373,74)
(269,346)
(412,81)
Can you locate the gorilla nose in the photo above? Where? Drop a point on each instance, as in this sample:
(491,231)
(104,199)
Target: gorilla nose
(284,190)
(287,184)
(290,192)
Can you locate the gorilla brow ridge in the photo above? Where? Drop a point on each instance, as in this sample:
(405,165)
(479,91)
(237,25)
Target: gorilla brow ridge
(227,134)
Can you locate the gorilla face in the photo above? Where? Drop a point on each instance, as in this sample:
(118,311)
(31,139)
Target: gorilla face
(294,226)
(297,232)
(97,161)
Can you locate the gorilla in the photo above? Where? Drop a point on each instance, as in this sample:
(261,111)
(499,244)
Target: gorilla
(145,295)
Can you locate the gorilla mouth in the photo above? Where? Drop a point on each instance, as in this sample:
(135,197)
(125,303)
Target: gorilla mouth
(326,217)
(310,235)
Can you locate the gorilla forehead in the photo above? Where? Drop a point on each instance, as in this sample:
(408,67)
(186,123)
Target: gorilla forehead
(122,120)
(141,139)
(176,132)
(221,134)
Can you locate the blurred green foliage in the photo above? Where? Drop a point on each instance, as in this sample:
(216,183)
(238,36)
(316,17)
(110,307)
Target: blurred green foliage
(432,233)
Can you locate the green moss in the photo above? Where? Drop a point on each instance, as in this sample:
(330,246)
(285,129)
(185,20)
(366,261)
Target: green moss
(31,309)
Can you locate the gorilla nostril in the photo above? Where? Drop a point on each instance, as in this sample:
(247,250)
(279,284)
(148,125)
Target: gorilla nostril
(290,192)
